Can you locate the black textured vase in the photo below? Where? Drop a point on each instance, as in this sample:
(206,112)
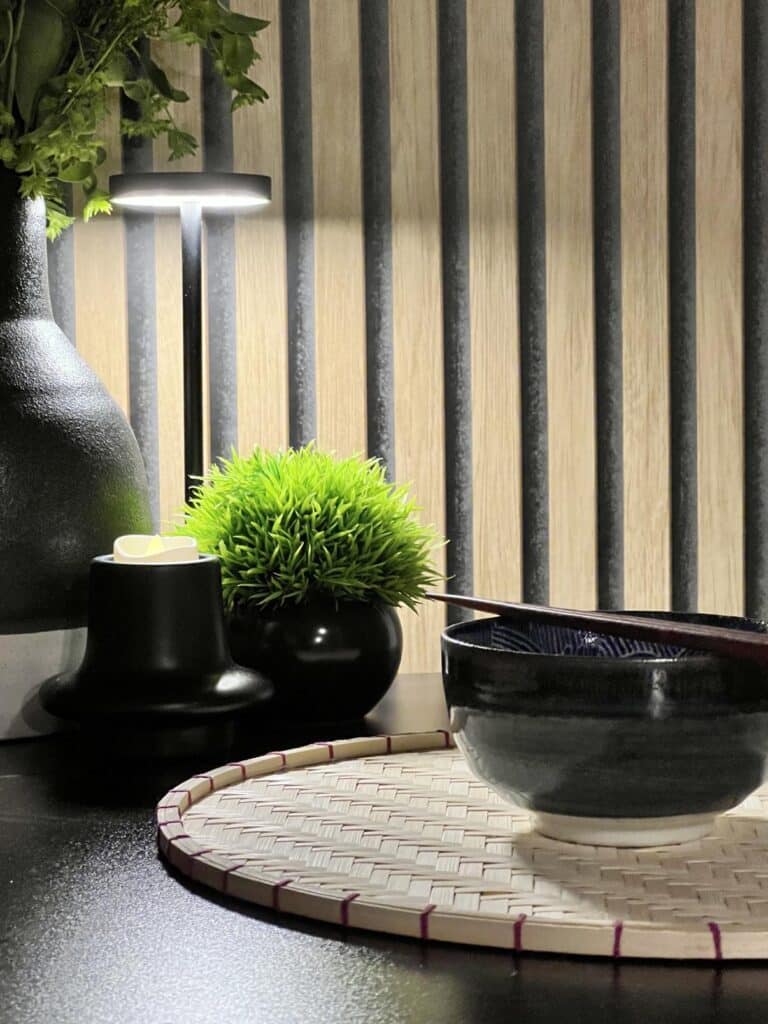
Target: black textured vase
(72,475)
(329,661)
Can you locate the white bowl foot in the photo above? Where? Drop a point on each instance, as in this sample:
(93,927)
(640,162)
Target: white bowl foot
(683,828)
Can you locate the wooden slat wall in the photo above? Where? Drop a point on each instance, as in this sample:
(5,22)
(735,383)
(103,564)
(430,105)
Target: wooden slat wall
(338,287)
(99,284)
(262,359)
(719,304)
(570,321)
(183,66)
(416,273)
(493,295)
(645,306)
(339,268)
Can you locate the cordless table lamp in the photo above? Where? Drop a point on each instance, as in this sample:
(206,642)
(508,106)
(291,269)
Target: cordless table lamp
(191,193)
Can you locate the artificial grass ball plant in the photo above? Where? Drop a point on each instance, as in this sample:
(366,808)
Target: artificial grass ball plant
(295,525)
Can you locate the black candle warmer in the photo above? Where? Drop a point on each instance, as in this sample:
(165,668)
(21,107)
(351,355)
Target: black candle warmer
(157,657)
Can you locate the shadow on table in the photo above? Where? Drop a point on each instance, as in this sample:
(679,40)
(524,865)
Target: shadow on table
(94,772)
(132,769)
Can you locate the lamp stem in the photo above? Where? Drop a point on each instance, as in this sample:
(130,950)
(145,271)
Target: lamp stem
(192,301)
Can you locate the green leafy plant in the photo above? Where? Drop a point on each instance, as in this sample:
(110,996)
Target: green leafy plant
(60,58)
(291,525)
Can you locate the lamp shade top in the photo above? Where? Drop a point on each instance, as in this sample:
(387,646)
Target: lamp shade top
(159,190)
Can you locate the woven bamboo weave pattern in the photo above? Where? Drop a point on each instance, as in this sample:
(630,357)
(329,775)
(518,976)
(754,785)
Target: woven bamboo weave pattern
(395,834)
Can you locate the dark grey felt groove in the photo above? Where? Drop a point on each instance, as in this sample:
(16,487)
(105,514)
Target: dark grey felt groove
(681,156)
(299,212)
(377,228)
(220,269)
(532,301)
(454,212)
(61,277)
(141,317)
(607,284)
(755,220)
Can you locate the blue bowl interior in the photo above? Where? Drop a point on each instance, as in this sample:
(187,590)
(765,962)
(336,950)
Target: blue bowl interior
(540,638)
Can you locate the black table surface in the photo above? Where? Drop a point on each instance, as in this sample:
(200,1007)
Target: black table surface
(95,928)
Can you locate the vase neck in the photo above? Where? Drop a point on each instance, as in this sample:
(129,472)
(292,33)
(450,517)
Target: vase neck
(24,291)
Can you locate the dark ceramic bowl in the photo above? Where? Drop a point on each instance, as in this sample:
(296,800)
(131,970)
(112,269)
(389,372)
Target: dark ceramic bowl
(608,741)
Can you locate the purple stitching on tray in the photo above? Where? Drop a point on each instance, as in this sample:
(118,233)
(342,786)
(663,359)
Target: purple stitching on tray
(208,779)
(281,755)
(169,840)
(228,872)
(424,920)
(331,754)
(276,892)
(517,932)
(618,928)
(716,939)
(241,766)
(180,804)
(344,908)
(389,744)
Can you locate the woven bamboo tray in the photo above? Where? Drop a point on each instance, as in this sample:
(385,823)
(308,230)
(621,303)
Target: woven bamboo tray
(394,834)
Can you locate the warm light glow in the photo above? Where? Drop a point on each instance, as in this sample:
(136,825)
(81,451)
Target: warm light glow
(143,549)
(155,546)
(207,200)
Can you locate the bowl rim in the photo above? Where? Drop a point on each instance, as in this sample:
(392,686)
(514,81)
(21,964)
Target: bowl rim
(691,661)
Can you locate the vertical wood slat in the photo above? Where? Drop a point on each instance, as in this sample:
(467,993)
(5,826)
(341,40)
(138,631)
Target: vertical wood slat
(457,356)
(494,311)
(183,66)
(531,234)
(377,230)
(262,332)
(496,452)
(719,305)
(681,164)
(416,288)
(755,203)
(100,283)
(220,284)
(339,287)
(606,164)
(645,304)
(569,293)
(299,218)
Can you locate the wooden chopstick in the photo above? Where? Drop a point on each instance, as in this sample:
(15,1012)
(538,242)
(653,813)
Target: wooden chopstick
(730,643)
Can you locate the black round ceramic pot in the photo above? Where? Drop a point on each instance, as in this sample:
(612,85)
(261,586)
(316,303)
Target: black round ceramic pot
(72,475)
(330,661)
(157,652)
(608,741)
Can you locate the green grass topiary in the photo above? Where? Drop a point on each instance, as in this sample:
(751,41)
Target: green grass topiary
(288,526)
